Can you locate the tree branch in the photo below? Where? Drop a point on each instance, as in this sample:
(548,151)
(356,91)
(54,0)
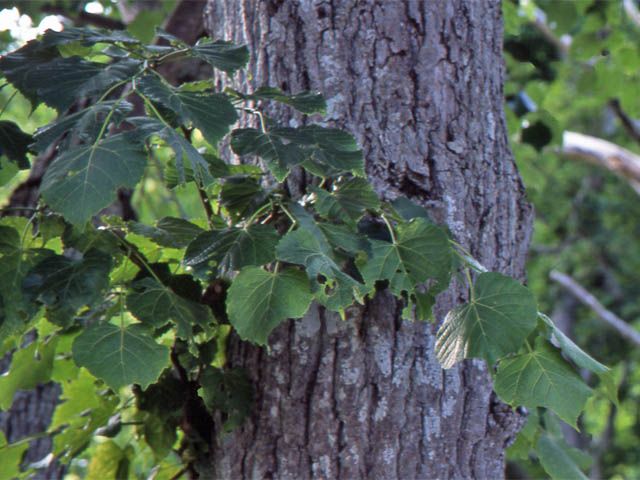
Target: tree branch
(632,11)
(611,319)
(618,160)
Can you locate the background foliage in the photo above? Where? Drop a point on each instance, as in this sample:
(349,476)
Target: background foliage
(585,226)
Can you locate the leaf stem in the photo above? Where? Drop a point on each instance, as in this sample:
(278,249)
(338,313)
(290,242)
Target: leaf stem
(259,211)
(136,257)
(390,227)
(206,204)
(8,102)
(472,292)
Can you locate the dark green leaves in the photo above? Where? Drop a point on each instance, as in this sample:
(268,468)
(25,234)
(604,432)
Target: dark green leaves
(348,202)
(495,322)
(14,143)
(234,248)
(168,232)
(120,355)
(211,113)
(305,102)
(541,378)
(222,55)
(155,304)
(84,180)
(258,301)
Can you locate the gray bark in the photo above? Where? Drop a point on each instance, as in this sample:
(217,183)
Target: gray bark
(419,83)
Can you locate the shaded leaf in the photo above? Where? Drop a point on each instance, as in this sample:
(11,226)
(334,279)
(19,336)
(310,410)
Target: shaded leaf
(228,391)
(258,301)
(85,36)
(241,196)
(305,102)
(14,143)
(560,460)
(234,248)
(155,304)
(495,322)
(120,355)
(84,180)
(542,378)
(169,231)
(222,55)
(348,201)
(211,113)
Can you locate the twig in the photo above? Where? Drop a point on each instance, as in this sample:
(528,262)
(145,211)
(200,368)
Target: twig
(632,128)
(618,160)
(611,319)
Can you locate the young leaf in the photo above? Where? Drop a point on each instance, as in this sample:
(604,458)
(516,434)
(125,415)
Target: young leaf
(169,232)
(495,322)
(420,252)
(542,378)
(211,113)
(234,248)
(14,143)
(156,304)
(120,355)
(258,301)
(348,202)
(84,180)
(338,289)
(222,55)
(280,158)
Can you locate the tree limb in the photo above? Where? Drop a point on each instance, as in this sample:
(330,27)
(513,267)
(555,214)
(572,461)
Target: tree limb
(618,160)
(611,319)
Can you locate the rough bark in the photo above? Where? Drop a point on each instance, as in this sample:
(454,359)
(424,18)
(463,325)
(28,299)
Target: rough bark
(419,83)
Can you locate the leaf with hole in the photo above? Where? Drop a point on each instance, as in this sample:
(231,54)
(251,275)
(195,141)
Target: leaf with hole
(258,301)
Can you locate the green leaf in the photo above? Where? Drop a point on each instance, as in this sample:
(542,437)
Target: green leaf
(106,462)
(83,408)
(211,113)
(222,55)
(305,102)
(155,304)
(542,378)
(420,252)
(234,248)
(65,285)
(8,170)
(83,126)
(343,238)
(227,391)
(169,232)
(495,322)
(258,301)
(14,143)
(159,434)
(409,210)
(584,360)
(348,201)
(241,196)
(85,36)
(560,460)
(337,290)
(30,366)
(11,458)
(120,355)
(280,158)
(84,180)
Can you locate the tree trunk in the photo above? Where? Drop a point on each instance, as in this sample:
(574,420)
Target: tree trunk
(419,83)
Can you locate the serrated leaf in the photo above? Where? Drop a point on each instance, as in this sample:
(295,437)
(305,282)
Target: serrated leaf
(560,460)
(84,180)
(30,366)
(258,301)
(83,126)
(64,285)
(211,113)
(168,232)
(583,359)
(337,290)
(348,201)
(421,252)
(14,143)
(542,378)
(155,304)
(495,322)
(81,411)
(279,157)
(234,248)
(222,55)
(305,102)
(120,355)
